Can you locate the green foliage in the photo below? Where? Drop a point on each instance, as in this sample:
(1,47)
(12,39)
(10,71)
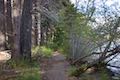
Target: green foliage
(72,26)
(99,75)
(46,52)
(36,50)
(73,21)
(59,37)
(28,70)
(74,71)
(88,77)
(42,50)
(19,64)
(33,75)
(104,75)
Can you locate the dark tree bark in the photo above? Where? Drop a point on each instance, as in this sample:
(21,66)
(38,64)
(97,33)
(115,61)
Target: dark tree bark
(35,25)
(25,30)
(2,6)
(47,31)
(42,36)
(2,23)
(36,30)
(9,25)
(43,30)
(16,11)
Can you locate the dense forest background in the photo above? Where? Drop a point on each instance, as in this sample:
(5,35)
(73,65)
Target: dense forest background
(87,33)
(26,24)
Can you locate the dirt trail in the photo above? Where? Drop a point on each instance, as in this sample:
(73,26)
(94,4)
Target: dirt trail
(55,68)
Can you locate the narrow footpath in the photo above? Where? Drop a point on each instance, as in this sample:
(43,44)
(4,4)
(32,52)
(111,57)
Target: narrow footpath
(55,68)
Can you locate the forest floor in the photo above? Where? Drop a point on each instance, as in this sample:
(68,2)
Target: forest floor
(55,68)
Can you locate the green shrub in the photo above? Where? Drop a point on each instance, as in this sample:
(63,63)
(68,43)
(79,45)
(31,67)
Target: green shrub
(43,51)
(33,75)
(75,71)
(46,52)
(104,75)
(28,70)
(20,64)
(36,50)
(72,71)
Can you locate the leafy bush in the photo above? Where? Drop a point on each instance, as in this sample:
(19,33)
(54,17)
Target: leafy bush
(104,75)
(74,71)
(36,50)
(43,51)
(20,64)
(33,75)
(28,70)
(46,52)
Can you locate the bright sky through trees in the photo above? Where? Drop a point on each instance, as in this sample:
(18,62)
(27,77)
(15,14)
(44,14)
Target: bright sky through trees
(112,7)
(109,2)
(112,4)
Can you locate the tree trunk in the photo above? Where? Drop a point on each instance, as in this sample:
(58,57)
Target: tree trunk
(9,25)
(25,30)
(42,36)
(35,26)
(16,26)
(2,23)
(36,30)
(2,6)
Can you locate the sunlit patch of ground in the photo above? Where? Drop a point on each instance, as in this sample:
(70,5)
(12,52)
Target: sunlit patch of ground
(4,56)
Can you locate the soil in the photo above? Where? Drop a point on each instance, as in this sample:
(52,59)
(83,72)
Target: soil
(55,68)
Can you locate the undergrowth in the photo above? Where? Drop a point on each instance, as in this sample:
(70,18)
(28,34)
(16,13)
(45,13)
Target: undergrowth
(42,51)
(28,70)
(101,74)
(32,75)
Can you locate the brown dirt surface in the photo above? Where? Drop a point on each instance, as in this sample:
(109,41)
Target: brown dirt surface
(55,68)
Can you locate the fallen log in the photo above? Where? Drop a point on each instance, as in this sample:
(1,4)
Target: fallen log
(99,62)
(81,58)
(114,51)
